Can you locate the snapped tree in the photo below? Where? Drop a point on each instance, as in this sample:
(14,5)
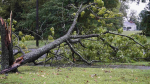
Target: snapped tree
(6,43)
(112,43)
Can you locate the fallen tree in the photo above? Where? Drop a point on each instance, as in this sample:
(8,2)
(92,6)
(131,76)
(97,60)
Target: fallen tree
(68,38)
(30,57)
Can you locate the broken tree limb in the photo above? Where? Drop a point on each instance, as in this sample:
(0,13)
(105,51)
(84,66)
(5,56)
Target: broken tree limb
(19,51)
(72,49)
(84,36)
(31,56)
(13,67)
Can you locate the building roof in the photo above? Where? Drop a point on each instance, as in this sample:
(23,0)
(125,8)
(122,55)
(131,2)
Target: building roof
(126,23)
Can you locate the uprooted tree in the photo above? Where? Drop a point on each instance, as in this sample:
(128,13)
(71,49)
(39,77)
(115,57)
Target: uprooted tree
(99,44)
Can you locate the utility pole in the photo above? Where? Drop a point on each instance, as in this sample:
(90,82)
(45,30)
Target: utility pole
(37,24)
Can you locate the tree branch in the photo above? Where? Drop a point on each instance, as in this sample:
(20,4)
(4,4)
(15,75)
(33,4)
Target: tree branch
(114,48)
(129,38)
(72,49)
(86,36)
(17,37)
(76,17)
(83,36)
(20,50)
(33,32)
(103,18)
(82,44)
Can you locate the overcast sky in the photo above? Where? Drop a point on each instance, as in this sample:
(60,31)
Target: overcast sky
(138,8)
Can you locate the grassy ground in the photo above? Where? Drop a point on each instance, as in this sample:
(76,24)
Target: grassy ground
(133,64)
(32,43)
(130,32)
(76,75)
(148,39)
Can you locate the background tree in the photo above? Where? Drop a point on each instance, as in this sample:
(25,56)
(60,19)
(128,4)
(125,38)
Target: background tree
(145,22)
(123,7)
(61,18)
(135,19)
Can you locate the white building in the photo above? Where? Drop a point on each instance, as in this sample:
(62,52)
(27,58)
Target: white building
(129,26)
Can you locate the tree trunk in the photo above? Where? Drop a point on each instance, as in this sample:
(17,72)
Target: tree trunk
(4,47)
(6,44)
(37,24)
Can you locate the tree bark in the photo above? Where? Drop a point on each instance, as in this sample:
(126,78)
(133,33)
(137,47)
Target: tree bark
(5,50)
(10,46)
(37,24)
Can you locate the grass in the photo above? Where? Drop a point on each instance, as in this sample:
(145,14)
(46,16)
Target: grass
(130,32)
(32,43)
(133,64)
(148,39)
(76,75)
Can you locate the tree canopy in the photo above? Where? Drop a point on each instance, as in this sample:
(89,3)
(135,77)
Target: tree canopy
(145,22)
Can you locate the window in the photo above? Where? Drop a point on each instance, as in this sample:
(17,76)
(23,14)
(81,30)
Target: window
(124,28)
(128,28)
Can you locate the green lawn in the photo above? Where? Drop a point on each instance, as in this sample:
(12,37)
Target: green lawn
(32,43)
(118,63)
(76,75)
(130,32)
(148,39)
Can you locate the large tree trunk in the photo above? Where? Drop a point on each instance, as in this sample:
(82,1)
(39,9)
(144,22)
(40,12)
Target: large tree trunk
(6,44)
(4,47)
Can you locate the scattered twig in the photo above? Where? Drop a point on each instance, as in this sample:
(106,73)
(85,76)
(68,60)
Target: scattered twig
(17,37)
(71,5)
(82,44)
(20,50)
